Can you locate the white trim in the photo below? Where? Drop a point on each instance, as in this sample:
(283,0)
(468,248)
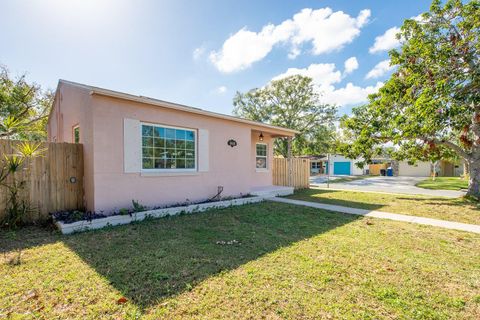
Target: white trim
(132,146)
(167,171)
(204,148)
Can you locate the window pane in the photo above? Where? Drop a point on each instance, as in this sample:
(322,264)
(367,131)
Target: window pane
(190,153)
(190,145)
(147,130)
(261,150)
(190,164)
(147,163)
(147,142)
(169,144)
(147,152)
(159,132)
(180,144)
(180,164)
(159,153)
(180,153)
(261,163)
(170,153)
(159,164)
(170,133)
(167,148)
(180,134)
(76,135)
(170,164)
(159,142)
(190,135)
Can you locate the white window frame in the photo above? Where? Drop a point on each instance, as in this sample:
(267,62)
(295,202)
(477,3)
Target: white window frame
(257,156)
(195,139)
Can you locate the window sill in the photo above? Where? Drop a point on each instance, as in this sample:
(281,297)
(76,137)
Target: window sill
(169,174)
(262,170)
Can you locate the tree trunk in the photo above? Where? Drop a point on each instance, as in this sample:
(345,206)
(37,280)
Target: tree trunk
(466,169)
(474,179)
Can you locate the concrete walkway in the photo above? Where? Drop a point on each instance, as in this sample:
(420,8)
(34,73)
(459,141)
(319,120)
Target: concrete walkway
(384,215)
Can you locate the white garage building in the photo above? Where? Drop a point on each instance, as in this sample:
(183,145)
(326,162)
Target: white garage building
(339,165)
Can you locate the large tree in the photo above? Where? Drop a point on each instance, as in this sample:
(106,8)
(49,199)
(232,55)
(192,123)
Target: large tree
(24,108)
(293,103)
(431,105)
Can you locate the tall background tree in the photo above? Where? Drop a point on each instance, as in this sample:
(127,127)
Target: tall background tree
(24,108)
(293,103)
(431,105)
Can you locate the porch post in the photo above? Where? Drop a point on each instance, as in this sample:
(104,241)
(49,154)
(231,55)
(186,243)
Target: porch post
(289,161)
(289,147)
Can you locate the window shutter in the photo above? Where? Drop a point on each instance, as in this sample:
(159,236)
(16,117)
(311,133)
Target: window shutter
(132,145)
(203,150)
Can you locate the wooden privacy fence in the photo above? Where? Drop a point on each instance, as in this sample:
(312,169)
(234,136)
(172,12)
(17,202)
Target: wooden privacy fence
(54,181)
(374,169)
(292,172)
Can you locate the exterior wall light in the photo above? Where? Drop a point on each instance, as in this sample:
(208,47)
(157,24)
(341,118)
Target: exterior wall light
(260,137)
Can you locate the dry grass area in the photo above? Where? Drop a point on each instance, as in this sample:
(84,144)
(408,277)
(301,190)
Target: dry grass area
(288,262)
(452,209)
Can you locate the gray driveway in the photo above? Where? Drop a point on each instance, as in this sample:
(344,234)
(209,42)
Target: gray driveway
(405,185)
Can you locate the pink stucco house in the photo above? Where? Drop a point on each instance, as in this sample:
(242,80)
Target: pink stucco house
(159,152)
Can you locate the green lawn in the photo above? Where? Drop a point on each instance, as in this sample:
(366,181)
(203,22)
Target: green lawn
(288,262)
(444,183)
(452,209)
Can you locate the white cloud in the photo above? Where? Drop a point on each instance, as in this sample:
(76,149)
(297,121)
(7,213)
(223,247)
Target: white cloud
(221,90)
(324,29)
(350,65)
(198,52)
(379,70)
(321,73)
(325,76)
(386,41)
(350,94)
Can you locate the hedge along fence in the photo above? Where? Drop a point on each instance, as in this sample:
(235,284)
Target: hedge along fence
(54,181)
(291,172)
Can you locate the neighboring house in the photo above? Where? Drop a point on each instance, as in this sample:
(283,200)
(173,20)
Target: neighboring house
(339,165)
(157,152)
(418,169)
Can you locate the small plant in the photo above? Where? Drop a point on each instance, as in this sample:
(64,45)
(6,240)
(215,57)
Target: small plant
(137,207)
(76,216)
(124,212)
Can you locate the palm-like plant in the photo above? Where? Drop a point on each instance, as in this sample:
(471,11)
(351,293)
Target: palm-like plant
(10,167)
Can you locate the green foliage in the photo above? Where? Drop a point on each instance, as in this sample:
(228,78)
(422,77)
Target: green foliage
(11,166)
(292,103)
(24,108)
(137,207)
(123,211)
(429,108)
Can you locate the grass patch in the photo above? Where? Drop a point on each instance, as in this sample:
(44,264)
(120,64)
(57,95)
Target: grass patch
(443,183)
(452,209)
(287,262)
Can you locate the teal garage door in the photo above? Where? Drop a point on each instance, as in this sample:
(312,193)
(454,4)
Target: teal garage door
(341,168)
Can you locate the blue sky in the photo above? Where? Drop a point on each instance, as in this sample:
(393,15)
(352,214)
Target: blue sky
(200,53)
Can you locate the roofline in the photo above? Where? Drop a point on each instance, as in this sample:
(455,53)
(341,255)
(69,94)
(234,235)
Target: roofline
(176,106)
